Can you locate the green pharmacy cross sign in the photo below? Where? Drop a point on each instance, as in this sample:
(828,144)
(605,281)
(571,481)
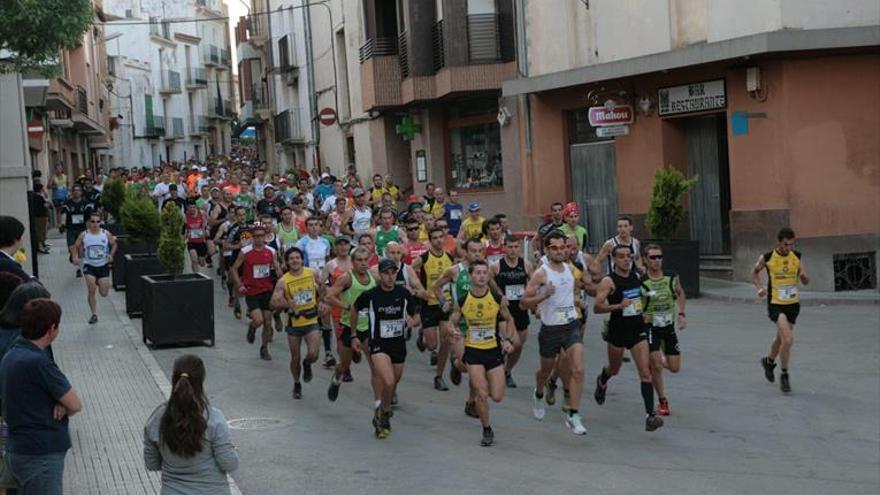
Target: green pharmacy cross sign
(407,129)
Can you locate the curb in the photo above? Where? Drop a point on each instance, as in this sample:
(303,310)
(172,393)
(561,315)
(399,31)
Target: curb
(811,301)
(149,361)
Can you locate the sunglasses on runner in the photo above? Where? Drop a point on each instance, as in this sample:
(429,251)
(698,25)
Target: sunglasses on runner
(655,257)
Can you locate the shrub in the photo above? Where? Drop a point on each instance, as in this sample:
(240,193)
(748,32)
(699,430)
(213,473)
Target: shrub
(140,219)
(171,243)
(113,196)
(667,211)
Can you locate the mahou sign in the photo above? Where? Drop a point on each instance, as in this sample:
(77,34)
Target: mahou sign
(604,116)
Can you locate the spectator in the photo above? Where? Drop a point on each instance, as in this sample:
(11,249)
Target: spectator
(187,439)
(11,232)
(10,313)
(39,208)
(37,402)
(8,283)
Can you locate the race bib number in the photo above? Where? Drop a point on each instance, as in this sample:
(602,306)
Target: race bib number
(563,315)
(455,215)
(481,334)
(661,319)
(303,297)
(316,264)
(361,225)
(96,252)
(77,218)
(787,292)
(389,329)
(514,292)
(261,271)
(635,297)
(493,258)
(196,233)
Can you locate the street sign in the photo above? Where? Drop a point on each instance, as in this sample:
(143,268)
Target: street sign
(327,116)
(611,131)
(605,116)
(35,128)
(694,97)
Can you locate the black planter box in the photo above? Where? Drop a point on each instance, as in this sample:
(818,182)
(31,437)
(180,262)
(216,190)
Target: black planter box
(114,228)
(682,257)
(137,265)
(125,246)
(178,310)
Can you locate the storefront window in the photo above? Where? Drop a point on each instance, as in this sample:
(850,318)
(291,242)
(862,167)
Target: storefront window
(475,155)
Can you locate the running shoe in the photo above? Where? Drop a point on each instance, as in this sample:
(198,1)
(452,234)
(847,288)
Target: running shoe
(538,406)
(346,377)
(488,437)
(510,382)
(599,394)
(439,384)
(420,343)
(550,395)
(307,371)
(573,422)
(454,373)
(329,361)
(652,422)
(470,409)
(784,384)
(377,423)
(251,334)
(79,273)
(433,358)
(768,369)
(297,390)
(264,354)
(93,320)
(663,408)
(333,390)
(385,421)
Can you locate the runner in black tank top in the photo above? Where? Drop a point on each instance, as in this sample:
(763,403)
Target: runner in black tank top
(510,275)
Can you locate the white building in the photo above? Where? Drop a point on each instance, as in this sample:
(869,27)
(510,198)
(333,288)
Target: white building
(173,88)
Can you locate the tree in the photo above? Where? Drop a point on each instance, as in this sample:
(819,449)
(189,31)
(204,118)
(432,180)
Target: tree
(666,210)
(35,31)
(140,219)
(113,196)
(171,244)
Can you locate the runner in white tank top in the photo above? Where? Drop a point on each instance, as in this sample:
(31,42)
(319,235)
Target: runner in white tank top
(96,247)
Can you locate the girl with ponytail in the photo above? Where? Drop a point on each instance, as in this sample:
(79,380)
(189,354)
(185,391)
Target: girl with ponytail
(187,439)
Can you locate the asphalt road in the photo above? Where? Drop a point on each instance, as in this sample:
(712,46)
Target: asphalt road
(730,430)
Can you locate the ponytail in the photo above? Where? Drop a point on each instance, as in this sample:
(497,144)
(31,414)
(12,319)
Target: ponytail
(183,423)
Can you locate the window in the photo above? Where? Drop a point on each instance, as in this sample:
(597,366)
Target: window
(579,129)
(475,153)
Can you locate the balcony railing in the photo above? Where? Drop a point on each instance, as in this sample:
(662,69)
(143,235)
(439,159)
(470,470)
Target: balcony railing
(211,55)
(259,97)
(156,127)
(288,126)
(215,108)
(224,57)
(403,54)
(228,111)
(198,76)
(82,100)
(170,82)
(255,30)
(437,42)
(160,28)
(203,124)
(376,47)
(176,130)
(484,40)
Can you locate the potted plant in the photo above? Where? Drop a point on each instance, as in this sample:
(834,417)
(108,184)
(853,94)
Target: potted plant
(141,222)
(665,216)
(177,308)
(112,198)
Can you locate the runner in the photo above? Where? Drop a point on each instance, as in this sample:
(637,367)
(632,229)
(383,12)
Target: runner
(472,226)
(431,266)
(623,238)
(360,217)
(366,241)
(350,286)
(387,307)
(76,210)
(255,283)
(494,240)
(413,246)
(554,223)
(387,231)
(196,228)
(340,264)
(288,234)
(481,312)
(97,248)
(559,334)
(230,238)
(571,216)
(661,293)
(784,271)
(619,293)
(215,211)
(509,277)
(297,293)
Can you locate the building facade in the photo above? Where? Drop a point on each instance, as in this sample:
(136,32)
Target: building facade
(174,89)
(774,105)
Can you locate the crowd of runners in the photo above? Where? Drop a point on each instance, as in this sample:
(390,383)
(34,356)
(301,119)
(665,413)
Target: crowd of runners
(334,260)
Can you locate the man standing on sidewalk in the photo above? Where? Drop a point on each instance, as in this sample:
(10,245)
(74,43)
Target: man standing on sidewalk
(784,270)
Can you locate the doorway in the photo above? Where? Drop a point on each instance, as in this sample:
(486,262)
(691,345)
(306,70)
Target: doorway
(594,188)
(706,139)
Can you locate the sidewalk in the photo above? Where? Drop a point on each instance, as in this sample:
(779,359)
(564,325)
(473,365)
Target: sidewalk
(725,290)
(119,382)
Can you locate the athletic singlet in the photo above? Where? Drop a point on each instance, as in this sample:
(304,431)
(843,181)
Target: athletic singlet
(559,308)
(386,311)
(350,296)
(658,299)
(461,287)
(433,267)
(512,281)
(195,228)
(360,222)
(96,248)
(287,238)
(383,238)
(633,249)
(782,277)
(335,312)
(76,214)
(315,250)
(629,287)
(480,316)
(257,270)
(494,253)
(402,279)
(413,250)
(335,223)
(302,291)
(221,216)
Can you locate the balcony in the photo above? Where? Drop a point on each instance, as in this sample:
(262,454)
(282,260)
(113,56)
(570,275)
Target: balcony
(160,29)
(203,125)
(228,111)
(61,96)
(155,126)
(213,108)
(288,127)
(176,130)
(437,42)
(259,97)
(377,47)
(211,56)
(170,83)
(403,54)
(225,61)
(82,100)
(484,38)
(197,78)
